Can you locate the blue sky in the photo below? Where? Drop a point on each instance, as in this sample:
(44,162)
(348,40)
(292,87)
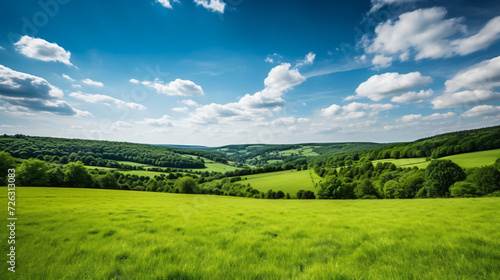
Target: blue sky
(216,72)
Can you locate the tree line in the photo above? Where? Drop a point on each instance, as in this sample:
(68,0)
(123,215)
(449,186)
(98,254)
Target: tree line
(99,153)
(441,178)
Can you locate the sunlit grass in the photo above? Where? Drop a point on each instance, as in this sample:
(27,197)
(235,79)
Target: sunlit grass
(106,234)
(286,181)
(467,160)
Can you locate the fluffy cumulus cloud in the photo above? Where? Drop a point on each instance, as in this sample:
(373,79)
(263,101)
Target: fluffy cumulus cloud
(464,98)
(180,109)
(165,121)
(40,49)
(92,83)
(166,3)
(386,85)
(32,93)
(105,99)
(263,103)
(418,117)
(482,111)
(216,6)
(484,75)
(413,97)
(289,121)
(175,88)
(378,4)
(427,34)
(134,81)
(354,111)
(189,102)
(381,61)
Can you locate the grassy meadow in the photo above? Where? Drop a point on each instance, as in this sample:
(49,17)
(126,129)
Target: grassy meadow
(467,160)
(289,181)
(107,234)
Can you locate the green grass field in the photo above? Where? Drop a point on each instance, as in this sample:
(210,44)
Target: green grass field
(106,234)
(468,160)
(286,181)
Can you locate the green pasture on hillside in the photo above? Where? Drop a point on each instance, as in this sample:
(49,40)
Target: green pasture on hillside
(467,160)
(108,234)
(287,181)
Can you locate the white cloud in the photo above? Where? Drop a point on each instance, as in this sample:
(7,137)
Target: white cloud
(216,6)
(83,114)
(189,102)
(105,99)
(464,98)
(413,97)
(378,87)
(26,93)
(180,109)
(411,118)
(284,121)
(119,125)
(92,83)
(378,4)
(163,121)
(68,77)
(76,86)
(381,61)
(274,58)
(479,41)
(438,116)
(263,103)
(354,110)
(18,84)
(175,88)
(166,3)
(433,117)
(484,75)
(40,49)
(308,60)
(427,34)
(482,111)
(134,81)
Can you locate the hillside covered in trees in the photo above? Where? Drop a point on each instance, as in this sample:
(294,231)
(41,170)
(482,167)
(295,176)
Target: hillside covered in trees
(100,153)
(441,145)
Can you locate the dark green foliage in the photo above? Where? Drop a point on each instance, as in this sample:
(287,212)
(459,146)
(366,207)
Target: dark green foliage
(33,172)
(486,178)
(302,194)
(77,176)
(108,181)
(100,153)
(440,175)
(56,177)
(333,188)
(441,145)
(6,162)
(465,189)
(186,185)
(365,189)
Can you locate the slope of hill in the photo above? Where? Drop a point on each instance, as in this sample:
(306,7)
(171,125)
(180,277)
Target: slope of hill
(99,153)
(262,154)
(441,145)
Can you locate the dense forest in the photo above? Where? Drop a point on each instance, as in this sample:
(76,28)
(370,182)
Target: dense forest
(99,153)
(44,161)
(441,145)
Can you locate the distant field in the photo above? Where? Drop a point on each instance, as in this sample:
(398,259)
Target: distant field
(468,160)
(106,234)
(286,181)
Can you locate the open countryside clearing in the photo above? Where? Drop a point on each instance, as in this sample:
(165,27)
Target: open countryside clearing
(116,234)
